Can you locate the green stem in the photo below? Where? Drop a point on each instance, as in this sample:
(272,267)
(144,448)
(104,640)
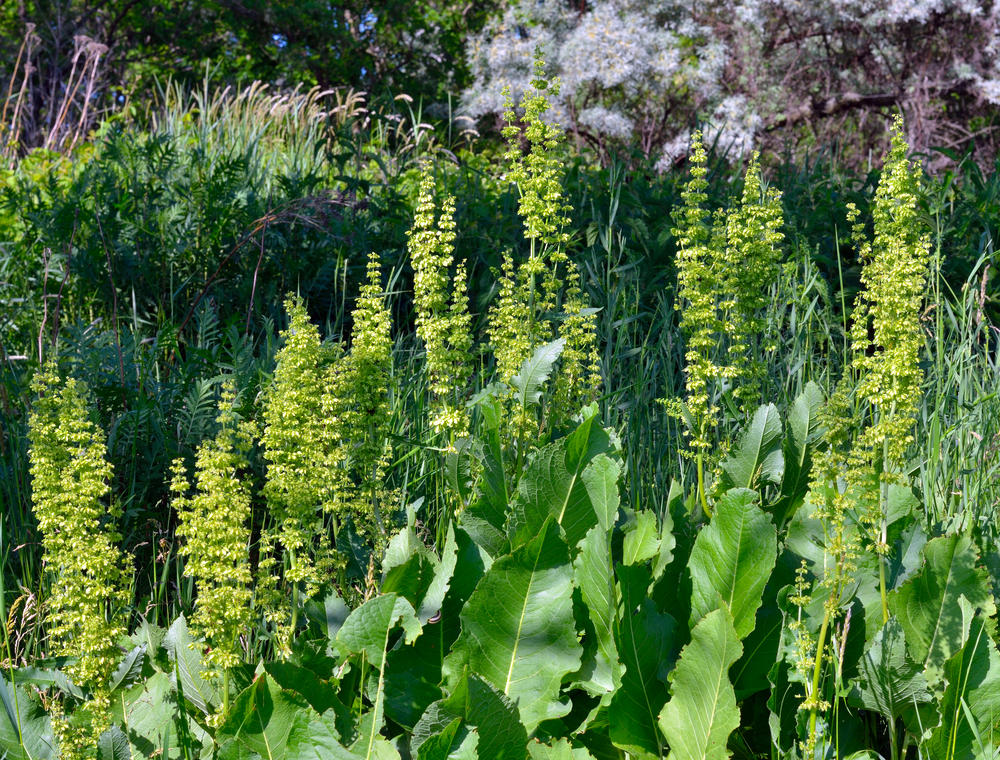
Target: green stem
(818,671)
(701,485)
(225,692)
(295,601)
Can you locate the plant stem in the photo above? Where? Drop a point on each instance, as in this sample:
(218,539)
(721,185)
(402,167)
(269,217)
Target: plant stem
(818,671)
(701,485)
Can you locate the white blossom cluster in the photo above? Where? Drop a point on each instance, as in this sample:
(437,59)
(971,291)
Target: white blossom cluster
(647,72)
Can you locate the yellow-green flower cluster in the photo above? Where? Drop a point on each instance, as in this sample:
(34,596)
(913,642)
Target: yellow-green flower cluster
(579,379)
(886,336)
(69,481)
(700,283)
(365,401)
(302,455)
(538,175)
(443,324)
(725,268)
(753,237)
(214,524)
(526,312)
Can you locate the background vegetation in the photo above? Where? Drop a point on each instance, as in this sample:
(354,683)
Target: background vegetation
(156,209)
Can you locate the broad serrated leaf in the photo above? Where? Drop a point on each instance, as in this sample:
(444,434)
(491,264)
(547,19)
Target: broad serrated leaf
(259,721)
(444,569)
(478,705)
(642,539)
(527,383)
(412,679)
(367,628)
(454,742)
(757,457)
(129,669)
(600,479)
(314,737)
(594,576)
(732,558)
(936,606)
(802,432)
(559,750)
(888,680)
(113,745)
(518,631)
(702,710)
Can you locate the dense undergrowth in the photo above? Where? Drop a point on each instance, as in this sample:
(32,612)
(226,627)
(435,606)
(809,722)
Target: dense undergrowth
(433,504)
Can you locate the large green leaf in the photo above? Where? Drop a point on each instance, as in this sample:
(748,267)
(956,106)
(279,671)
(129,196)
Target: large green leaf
(113,745)
(315,737)
(802,432)
(642,539)
(527,383)
(560,750)
(259,721)
(970,708)
(645,639)
(757,457)
(518,631)
(412,678)
(185,659)
(936,606)
(702,710)
(732,558)
(455,742)
(888,680)
(594,576)
(367,628)
(25,730)
(554,484)
(478,705)
(601,481)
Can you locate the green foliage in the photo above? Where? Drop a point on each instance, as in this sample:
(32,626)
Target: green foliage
(543,584)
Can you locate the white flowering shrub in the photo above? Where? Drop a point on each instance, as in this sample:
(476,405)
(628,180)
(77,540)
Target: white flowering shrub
(749,71)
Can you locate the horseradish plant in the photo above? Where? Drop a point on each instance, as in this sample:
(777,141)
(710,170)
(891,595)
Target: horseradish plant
(214,525)
(724,269)
(70,476)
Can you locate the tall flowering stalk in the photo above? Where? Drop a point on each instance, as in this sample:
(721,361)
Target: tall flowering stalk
(214,525)
(753,239)
(297,446)
(886,337)
(532,293)
(70,475)
(443,324)
(364,405)
(700,282)
(725,267)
